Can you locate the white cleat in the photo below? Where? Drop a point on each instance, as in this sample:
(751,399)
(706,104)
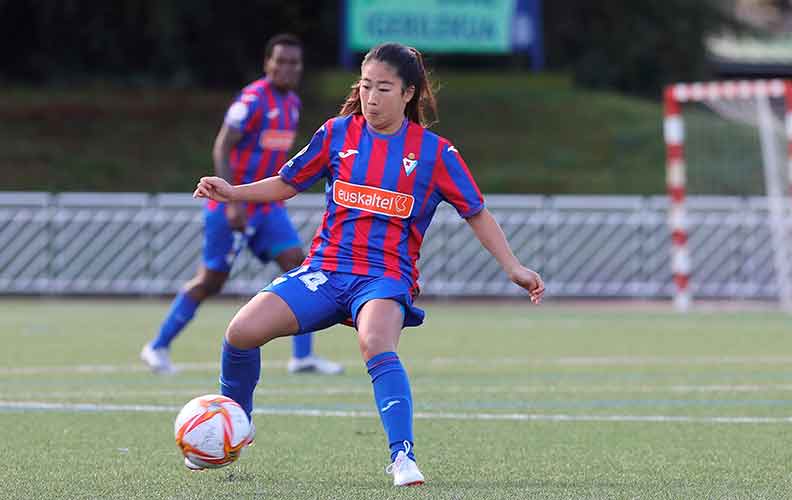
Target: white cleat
(405,470)
(315,364)
(158,360)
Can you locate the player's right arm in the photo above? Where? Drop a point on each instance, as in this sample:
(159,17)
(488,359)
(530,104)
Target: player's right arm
(263,191)
(226,139)
(238,119)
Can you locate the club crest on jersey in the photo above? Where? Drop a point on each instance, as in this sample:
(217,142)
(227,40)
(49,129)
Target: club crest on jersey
(374,200)
(409,163)
(273,113)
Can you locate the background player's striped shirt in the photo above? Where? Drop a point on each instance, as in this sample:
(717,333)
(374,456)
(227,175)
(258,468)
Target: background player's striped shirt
(382,192)
(268,120)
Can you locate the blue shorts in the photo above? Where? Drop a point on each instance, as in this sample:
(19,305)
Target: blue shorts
(320,299)
(267,236)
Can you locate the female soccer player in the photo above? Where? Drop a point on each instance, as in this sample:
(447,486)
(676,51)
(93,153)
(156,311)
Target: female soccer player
(385,174)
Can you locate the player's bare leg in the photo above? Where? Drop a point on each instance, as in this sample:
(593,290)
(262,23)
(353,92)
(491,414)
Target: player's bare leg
(264,318)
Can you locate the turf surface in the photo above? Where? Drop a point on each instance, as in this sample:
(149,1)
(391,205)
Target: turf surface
(512,401)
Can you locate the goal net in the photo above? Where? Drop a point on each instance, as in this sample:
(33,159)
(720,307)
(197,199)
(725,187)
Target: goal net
(729,148)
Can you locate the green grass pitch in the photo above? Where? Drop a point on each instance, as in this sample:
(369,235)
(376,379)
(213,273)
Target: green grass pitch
(512,401)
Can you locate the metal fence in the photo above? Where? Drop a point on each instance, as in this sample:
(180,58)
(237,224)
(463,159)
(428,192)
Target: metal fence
(584,246)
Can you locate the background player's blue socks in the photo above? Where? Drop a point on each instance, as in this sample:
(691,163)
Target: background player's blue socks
(181,312)
(393,399)
(302,345)
(239,374)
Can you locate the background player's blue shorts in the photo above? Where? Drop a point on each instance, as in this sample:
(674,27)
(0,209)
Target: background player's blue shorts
(267,236)
(320,299)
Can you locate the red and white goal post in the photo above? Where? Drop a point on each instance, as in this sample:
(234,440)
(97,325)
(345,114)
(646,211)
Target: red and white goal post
(707,93)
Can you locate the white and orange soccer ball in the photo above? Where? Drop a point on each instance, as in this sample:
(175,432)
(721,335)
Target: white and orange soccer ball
(211,431)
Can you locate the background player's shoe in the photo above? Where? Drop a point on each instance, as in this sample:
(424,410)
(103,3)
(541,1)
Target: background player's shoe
(405,471)
(157,359)
(315,364)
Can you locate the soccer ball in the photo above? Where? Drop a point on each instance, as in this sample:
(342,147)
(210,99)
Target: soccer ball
(211,431)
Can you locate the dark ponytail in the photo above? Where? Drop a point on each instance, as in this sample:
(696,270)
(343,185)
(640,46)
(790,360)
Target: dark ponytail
(409,65)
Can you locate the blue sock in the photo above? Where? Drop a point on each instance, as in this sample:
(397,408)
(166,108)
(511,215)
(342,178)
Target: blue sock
(302,345)
(393,399)
(181,312)
(239,374)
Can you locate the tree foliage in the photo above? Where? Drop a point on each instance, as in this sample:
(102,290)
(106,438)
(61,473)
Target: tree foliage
(632,46)
(629,45)
(202,41)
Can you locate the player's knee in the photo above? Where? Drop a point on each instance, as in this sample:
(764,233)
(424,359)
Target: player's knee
(207,286)
(239,335)
(294,262)
(246,332)
(372,343)
(291,258)
(213,286)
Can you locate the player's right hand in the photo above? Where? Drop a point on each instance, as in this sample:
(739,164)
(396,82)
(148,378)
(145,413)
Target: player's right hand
(214,188)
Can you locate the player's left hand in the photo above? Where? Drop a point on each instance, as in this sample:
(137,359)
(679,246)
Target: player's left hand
(531,281)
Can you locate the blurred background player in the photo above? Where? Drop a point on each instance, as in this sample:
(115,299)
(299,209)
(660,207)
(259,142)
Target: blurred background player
(258,131)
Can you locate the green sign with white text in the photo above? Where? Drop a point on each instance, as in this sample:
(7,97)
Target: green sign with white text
(466,26)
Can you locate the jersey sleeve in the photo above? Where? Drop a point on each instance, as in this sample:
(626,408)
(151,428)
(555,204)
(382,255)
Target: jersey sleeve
(456,184)
(245,112)
(311,163)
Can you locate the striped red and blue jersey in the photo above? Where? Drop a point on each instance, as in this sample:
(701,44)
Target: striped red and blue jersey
(382,192)
(268,120)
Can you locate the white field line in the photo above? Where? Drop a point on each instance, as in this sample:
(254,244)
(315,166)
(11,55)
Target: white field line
(366,390)
(529,417)
(580,361)
(95,369)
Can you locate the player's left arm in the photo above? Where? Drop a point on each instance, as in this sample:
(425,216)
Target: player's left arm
(491,236)
(458,187)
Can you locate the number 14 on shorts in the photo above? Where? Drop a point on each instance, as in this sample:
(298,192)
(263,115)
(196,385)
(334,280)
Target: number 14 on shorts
(310,280)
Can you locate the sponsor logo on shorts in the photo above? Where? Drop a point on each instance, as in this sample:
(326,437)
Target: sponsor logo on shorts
(374,200)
